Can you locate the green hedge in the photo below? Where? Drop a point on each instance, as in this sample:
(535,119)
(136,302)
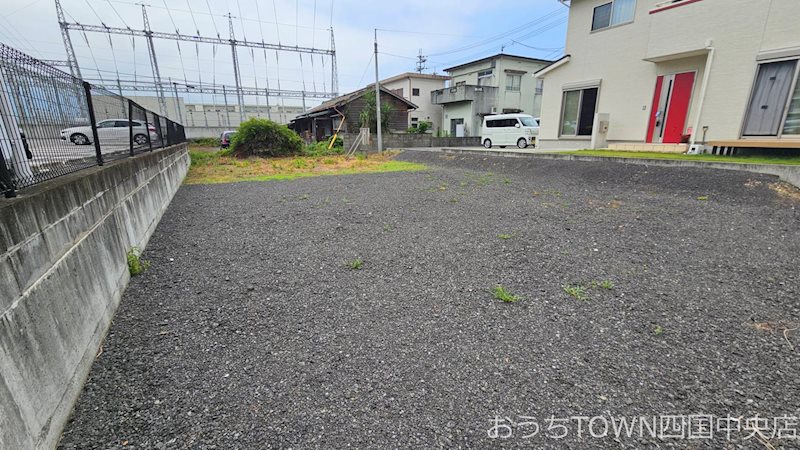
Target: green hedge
(261,137)
(205,141)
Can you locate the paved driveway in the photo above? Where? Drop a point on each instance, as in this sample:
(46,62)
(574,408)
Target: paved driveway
(251,331)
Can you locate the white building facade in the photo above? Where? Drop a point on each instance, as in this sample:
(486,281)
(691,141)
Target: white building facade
(495,85)
(666,75)
(417,88)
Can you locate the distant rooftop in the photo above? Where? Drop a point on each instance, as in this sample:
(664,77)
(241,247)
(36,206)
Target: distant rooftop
(426,76)
(498,56)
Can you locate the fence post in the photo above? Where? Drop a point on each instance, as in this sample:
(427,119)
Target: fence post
(6,180)
(147,130)
(93,122)
(130,126)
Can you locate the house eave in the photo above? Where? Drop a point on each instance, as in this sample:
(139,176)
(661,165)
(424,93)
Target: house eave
(555,65)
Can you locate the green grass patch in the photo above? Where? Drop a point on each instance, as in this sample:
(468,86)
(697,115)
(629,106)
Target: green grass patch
(746,159)
(218,167)
(501,293)
(136,265)
(355,264)
(577,291)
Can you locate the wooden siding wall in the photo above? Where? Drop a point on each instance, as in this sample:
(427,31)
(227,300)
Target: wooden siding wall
(397,122)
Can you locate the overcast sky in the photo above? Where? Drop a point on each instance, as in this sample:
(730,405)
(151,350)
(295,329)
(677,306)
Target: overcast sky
(450,31)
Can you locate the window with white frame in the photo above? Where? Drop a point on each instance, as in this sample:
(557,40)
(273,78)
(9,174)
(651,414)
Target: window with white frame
(485,77)
(577,111)
(513,82)
(616,12)
(414,122)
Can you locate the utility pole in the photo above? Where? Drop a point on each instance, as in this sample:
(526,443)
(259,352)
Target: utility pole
(236,75)
(421,60)
(162,104)
(378,96)
(72,61)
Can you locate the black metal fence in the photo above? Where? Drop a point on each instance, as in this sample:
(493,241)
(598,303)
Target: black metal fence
(52,123)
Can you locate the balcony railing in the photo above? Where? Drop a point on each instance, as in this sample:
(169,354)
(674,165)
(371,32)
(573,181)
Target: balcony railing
(463,93)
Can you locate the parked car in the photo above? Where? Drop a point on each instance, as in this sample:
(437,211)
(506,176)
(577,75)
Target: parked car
(225,139)
(112,131)
(510,129)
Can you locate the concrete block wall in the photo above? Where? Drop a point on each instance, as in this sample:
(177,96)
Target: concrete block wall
(399,141)
(63,269)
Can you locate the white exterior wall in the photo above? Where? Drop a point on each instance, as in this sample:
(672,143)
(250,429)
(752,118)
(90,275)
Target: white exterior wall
(426,111)
(525,100)
(738,30)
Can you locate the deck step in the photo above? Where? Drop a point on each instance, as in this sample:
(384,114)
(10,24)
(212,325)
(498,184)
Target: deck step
(644,147)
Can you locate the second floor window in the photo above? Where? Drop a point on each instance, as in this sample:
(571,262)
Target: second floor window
(513,82)
(415,92)
(613,13)
(485,78)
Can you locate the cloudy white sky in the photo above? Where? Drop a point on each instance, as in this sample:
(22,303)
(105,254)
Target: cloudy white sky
(450,31)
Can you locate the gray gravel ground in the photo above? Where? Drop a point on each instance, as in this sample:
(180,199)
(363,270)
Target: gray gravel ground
(250,331)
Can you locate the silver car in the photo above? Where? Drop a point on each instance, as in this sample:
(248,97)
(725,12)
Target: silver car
(112,131)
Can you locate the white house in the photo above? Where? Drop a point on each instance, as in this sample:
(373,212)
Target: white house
(494,85)
(416,88)
(663,75)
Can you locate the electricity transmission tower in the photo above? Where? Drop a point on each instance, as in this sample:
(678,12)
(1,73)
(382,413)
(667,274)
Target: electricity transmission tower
(421,60)
(159,87)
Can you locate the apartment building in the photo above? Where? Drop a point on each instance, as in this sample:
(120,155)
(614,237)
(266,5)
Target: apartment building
(494,85)
(417,88)
(669,75)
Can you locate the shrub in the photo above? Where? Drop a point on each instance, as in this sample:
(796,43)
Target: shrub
(261,137)
(367,117)
(321,148)
(421,128)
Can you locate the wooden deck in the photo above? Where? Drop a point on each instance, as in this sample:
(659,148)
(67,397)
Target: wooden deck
(757,143)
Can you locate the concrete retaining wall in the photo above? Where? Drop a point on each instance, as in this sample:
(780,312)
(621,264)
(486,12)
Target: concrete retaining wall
(398,141)
(63,269)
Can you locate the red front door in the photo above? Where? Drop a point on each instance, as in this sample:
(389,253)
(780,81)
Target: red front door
(670,108)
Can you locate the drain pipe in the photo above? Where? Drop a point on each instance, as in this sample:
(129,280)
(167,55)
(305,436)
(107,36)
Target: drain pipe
(704,87)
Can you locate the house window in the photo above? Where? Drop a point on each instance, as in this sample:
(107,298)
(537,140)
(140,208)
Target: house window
(776,86)
(399,92)
(539,86)
(415,92)
(577,113)
(513,82)
(485,77)
(414,122)
(613,13)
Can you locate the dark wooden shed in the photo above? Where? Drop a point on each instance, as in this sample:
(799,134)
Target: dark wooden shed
(321,122)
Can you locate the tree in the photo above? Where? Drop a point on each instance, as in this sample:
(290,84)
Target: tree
(367,116)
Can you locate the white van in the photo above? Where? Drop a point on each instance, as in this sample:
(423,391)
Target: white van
(510,129)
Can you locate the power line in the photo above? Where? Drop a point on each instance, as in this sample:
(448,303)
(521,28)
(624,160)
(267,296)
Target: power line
(500,36)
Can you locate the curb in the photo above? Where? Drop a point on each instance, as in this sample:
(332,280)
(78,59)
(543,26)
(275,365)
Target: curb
(789,174)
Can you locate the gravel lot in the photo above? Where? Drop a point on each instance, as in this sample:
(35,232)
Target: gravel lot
(250,330)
